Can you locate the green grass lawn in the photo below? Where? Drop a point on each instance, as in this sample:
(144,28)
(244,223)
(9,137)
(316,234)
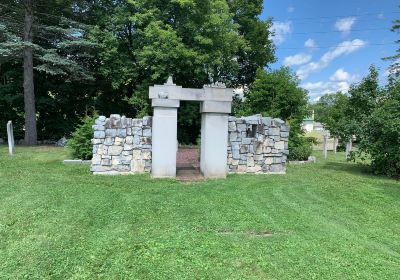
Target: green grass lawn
(329,220)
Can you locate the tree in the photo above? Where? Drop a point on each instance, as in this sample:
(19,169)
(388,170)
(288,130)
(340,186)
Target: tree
(395,67)
(331,111)
(278,94)
(47,42)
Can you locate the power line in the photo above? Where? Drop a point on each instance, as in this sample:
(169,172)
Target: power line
(337,31)
(338,46)
(334,17)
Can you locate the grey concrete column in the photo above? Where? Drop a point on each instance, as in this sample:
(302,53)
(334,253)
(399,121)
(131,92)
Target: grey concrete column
(325,146)
(214,145)
(164,137)
(10,135)
(335,144)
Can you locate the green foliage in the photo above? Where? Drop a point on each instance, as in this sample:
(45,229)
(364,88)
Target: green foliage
(80,142)
(331,110)
(380,135)
(300,147)
(278,94)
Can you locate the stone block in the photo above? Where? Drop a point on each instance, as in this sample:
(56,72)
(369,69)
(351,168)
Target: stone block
(112,132)
(241,168)
(258,157)
(274,131)
(277,160)
(147,121)
(246,141)
(244,149)
(284,134)
(106,162)
(128,147)
(267,150)
(96,159)
(137,154)
(243,157)
(129,131)
(231,126)
(250,160)
(241,127)
(268,142)
(115,150)
(116,160)
(109,141)
(258,148)
(137,131)
(121,132)
(266,121)
(137,165)
(136,140)
(145,140)
(235,154)
(123,168)
(99,134)
(147,132)
(137,122)
(279,145)
(100,168)
(119,141)
(97,141)
(233,136)
(269,160)
(126,158)
(284,128)
(278,168)
(98,127)
(276,138)
(129,140)
(146,154)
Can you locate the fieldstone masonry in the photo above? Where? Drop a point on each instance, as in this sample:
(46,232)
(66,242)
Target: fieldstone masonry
(121,145)
(257,145)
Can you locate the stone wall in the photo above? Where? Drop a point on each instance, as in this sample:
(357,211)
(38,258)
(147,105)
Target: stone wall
(257,145)
(121,145)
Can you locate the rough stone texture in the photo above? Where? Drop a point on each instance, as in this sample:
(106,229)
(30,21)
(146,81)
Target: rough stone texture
(121,145)
(257,145)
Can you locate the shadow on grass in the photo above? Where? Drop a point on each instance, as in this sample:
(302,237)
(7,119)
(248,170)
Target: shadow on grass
(352,168)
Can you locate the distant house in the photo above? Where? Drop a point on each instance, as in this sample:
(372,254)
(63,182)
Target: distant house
(309,124)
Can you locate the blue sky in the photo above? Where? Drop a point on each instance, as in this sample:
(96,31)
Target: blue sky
(331,44)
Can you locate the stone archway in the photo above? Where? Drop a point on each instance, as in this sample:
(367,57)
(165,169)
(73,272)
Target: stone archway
(215,106)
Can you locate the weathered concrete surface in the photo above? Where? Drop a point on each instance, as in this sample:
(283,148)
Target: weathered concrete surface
(164,142)
(214,143)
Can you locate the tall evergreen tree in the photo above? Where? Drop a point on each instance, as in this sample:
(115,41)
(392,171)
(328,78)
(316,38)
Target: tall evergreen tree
(40,33)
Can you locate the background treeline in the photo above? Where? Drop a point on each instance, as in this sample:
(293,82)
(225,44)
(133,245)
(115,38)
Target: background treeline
(102,55)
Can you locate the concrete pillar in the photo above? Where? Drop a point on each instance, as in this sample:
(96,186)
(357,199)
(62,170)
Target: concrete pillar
(325,147)
(349,147)
(164,137)
(335,144)
(214,145)
(10,134)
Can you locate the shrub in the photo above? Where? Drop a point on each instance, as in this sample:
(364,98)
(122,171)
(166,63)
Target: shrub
(300,147)
(80,143)
(380,138)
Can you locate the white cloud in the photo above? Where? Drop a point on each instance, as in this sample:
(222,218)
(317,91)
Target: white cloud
(310,43)
(344,24)
(381,15)
(290,9)
(281,30)
(338,81)
(341,75)
(317,89)
(344,48)
(297,59)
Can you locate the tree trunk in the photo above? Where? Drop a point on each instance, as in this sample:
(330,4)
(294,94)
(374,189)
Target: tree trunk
(29,90)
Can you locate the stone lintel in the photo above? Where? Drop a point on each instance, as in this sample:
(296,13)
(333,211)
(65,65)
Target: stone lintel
(158,102)
(190,94)
(216,107)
